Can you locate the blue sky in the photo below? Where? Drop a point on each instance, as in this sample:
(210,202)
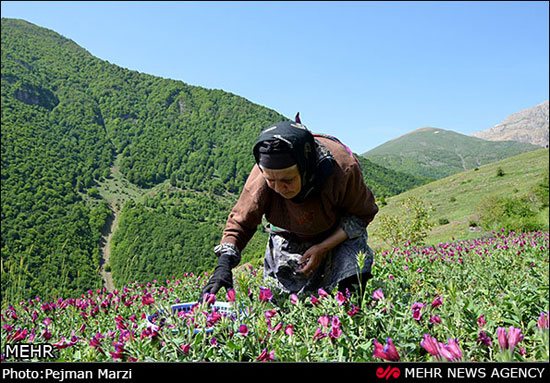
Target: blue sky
(366,72)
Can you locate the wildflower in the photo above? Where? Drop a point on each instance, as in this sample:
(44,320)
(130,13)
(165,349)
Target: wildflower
(481,320)
(289,330)
(18,335)
(265,356)
(430,344)
(416,308)
(435,319)
(277,327)
(502,338)
(450,351)
(265,294)
(324,320)
(119,351)
(514,337)
(438,301)
(484,339)
(46,334)
(62,343)
(387,352)
(340,298)
(354,310)
(293,299)
(47,321)
(336,328)
(243,330)
(214,341)
(96,342)
(270,314)
(314,300)
(230,296)
(185,348)
(319,334)
(147,299)
(378,294)
(453,349)
(322,293)
(213,318)
(542,323)
(209,298)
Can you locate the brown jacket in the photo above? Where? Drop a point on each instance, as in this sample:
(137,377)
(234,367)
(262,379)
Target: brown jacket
(344,192)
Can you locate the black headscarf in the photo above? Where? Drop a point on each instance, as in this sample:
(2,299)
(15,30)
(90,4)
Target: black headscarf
(285,141)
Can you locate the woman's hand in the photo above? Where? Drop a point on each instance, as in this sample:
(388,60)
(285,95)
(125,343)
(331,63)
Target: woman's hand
(312,259)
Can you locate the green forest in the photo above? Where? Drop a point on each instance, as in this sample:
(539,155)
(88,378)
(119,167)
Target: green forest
(67,116)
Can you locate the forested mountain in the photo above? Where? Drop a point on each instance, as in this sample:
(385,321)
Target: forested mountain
(438,153)
(67,116)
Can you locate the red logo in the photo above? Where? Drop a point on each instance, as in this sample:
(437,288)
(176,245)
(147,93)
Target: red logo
(390,372)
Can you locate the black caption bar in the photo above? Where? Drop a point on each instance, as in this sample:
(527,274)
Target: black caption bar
(372,372)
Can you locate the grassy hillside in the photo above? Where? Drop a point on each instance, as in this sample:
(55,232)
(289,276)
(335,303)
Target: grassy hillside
(438,153)
(456,198)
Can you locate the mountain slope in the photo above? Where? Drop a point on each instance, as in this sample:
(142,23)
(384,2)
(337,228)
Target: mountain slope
(529,125)
(456,199)
(66,115)
(437,153)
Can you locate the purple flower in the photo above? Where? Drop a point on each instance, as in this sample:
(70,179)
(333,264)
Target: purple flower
(265,294)
(508,341)
(416,308)
(430,344)
(435,319)
(450,351)
(209,298)
(324,320)
(243,329)
(386,352)
(185,348)
(293,299)
(481,320)
(454,349)
(322,293)
(230,296)
(340,298)
(514,337)
(378,294)
(265,356)
(354,310)
(484,339)
(270,313)
(289,330)
(319,334)
(147,299)
(438,301)
(542,323)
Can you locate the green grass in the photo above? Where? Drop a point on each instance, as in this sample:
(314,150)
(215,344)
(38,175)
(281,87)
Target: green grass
(456,197)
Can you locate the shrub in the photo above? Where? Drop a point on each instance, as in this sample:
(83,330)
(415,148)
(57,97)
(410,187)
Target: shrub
(511,213)
(411,224)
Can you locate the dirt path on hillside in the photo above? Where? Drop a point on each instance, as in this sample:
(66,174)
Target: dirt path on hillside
(107,234)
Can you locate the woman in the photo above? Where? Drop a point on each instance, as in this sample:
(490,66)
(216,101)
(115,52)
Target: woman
(311,191)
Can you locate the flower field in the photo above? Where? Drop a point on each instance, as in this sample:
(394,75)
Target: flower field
(477,300)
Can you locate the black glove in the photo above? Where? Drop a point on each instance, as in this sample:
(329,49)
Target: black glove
(228,258)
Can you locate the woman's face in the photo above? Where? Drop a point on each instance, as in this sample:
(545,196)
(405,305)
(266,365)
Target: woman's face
(286,182)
